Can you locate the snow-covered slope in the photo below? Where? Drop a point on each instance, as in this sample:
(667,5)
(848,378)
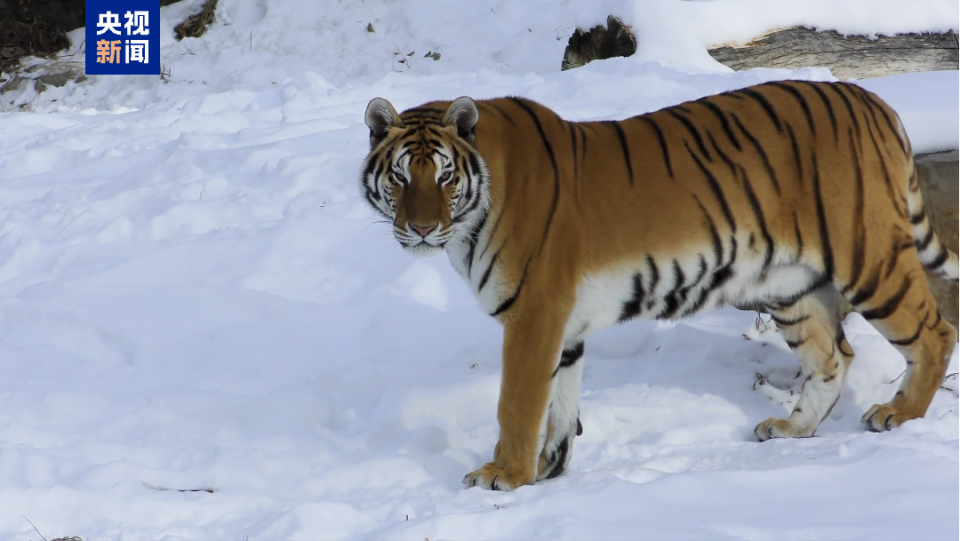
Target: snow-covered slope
(193,295)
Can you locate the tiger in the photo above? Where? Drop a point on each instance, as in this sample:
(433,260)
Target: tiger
(786,195)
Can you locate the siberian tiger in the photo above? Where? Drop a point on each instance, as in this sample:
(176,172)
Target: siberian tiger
(786,194)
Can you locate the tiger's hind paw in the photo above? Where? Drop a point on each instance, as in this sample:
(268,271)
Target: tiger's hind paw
(554,458)
(781,428)
(882,417)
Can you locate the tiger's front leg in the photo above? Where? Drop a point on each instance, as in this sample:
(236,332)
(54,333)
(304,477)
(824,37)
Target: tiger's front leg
(532,342)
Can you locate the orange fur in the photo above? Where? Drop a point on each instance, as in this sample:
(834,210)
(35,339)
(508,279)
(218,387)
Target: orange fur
(786,194)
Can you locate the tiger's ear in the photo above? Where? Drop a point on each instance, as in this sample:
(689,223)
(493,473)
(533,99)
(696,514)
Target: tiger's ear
(463,114)
(380,117)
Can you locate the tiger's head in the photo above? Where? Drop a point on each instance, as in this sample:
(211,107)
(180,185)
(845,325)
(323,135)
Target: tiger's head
(423,172)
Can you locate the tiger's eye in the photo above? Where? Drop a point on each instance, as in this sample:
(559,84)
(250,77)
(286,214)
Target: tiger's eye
(446,177)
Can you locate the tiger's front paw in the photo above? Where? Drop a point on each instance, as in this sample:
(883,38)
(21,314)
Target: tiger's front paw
(782,428)
(491,477)
(882,417)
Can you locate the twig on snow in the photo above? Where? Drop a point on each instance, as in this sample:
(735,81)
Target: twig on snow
(34,528)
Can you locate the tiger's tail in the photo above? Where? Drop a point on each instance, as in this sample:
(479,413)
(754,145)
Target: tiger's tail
(934,255)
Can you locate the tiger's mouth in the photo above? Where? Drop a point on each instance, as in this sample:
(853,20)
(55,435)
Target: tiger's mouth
(423,247)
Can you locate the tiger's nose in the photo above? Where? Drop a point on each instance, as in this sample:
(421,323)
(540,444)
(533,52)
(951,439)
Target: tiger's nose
(424,230)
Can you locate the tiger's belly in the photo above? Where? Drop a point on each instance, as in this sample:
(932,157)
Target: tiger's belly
(656,287)
(633,291)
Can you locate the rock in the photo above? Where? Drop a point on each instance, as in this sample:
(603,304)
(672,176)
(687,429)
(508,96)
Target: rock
(41,75)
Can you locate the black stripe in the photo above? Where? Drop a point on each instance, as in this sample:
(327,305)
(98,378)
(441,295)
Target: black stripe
(692,129)
(826,102)
(623,146)
(892,262)
(842,343)
(796,231)
(923,243)
(872,98)
(761,221)
(762,153)
(671,299)
(491,236)
(560,461)
(724,123)
(803,102)
(935,321)
(654,279)
(822,223)
(573,150)
(556,170)
(473,239)
(783,304)
(663,142)
(888,308)
(631,308)
(940,259)
(486,273)
(696,305)
(892,192)
(696,281)
(506,304)
(717,191)
(583,140)
(846,101)
(500,110)
(717,244)
(798,161)
(867,291)
(794,345)
(569,357)
(474,162)
(723,156)
(378,168)
(472,205)
(916,219)
(860,224)
(767,107)
(787,322)
(868,106)
(912,339)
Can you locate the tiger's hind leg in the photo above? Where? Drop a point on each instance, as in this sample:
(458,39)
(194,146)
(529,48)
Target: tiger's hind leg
(811,327)
(908,318)
(563,417)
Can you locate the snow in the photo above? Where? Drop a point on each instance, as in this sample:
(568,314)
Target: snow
(193,295)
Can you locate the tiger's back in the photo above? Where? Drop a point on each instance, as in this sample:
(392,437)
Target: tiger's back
(786,194)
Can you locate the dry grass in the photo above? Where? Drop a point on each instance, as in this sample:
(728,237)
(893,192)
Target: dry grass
(598,43)
(195,25)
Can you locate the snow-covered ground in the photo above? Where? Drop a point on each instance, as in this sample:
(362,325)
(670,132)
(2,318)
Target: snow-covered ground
(193,295)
